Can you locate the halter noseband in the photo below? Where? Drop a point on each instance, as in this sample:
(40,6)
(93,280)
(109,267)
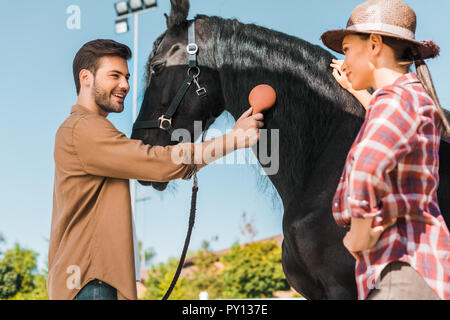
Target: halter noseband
(164,122)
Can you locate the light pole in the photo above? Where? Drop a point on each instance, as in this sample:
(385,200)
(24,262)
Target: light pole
(125,10)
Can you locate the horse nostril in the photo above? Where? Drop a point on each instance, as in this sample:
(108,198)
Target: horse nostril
(160,186)
(145,183)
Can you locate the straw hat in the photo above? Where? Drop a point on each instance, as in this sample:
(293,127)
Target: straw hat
(392,18)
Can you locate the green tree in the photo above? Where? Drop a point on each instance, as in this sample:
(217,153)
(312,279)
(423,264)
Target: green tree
(18,275)
(22,261)
(39,291)
(247,271)
(10,281)
(253,271)
(206,274)
(203,276)
(159,279)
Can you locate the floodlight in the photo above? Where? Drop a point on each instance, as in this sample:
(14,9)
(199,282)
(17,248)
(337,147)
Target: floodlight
(122,26)
(150,3)
(135,5)
(121,7)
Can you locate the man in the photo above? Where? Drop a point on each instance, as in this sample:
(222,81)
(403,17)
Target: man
(91,253)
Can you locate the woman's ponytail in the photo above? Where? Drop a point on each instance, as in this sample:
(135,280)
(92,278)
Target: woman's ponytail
(407,54)
(425,77)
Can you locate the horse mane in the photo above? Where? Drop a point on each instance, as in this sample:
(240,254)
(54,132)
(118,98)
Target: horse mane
(310,102)
(236,44)
(288,55)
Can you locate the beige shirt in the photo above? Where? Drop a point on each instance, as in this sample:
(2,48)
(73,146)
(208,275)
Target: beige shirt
(91,233)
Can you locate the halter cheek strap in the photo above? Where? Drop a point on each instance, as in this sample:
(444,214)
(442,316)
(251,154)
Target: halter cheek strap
(192,47)
(164,122)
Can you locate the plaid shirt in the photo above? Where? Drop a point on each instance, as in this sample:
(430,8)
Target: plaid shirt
(392,171)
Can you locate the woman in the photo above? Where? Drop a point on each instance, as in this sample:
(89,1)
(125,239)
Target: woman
(387,193)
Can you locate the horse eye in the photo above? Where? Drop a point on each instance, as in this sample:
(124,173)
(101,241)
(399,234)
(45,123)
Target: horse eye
(157,67)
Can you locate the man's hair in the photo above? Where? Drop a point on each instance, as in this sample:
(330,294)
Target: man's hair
(89,55)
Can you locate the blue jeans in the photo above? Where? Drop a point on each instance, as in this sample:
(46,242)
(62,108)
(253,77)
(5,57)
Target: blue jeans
(97,290)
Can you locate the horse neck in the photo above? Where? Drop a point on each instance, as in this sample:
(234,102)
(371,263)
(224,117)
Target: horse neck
(308,99)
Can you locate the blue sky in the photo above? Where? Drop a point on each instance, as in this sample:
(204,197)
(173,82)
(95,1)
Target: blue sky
(38,90)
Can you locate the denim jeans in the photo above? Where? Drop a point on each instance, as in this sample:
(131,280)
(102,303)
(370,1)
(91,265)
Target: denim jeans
(97,290)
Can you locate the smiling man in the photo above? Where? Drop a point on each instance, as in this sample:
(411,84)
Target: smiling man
(91,253)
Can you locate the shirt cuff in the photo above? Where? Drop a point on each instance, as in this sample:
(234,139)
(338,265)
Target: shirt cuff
(190,172)
(361,209)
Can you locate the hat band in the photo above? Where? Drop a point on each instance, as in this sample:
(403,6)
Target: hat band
(383,27)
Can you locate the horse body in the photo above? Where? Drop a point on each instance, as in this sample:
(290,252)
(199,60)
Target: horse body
(314,259)
(317,121)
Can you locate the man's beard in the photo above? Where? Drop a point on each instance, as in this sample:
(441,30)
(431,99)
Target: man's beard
(103,100)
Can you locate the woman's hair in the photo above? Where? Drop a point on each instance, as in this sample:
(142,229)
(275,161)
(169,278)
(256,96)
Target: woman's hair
(406,54)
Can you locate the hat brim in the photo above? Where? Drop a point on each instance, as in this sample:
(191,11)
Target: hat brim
(333,40)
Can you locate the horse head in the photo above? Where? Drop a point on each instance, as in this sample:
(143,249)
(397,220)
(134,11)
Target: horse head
(178,93)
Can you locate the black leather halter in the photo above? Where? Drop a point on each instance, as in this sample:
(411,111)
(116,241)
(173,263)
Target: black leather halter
(164,122)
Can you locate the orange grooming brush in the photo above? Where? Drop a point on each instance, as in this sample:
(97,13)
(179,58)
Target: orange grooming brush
(262,97)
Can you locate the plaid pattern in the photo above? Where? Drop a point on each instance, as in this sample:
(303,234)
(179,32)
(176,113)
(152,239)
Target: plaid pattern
(392,171)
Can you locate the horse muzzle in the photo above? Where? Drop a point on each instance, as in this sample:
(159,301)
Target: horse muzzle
(159,186)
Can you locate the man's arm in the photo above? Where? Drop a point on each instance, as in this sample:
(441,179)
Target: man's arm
(245,134)
(105,151)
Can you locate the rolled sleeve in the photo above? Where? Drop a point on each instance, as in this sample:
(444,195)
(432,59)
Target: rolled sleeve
(389,135)
(105,151)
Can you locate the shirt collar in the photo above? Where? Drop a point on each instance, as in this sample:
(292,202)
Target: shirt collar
(80,109)
(407,78)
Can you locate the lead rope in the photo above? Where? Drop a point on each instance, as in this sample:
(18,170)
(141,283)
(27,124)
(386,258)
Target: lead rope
(201,92)
(191,223)
(188,238)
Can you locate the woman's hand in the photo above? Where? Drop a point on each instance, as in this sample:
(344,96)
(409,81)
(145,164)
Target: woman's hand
(362,236)
(339,75)
(363,96)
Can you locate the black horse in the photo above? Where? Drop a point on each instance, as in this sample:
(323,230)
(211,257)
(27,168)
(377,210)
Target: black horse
(316,118)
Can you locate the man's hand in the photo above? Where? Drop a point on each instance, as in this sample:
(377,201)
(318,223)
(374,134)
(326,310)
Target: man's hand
(246,130)
(244,134)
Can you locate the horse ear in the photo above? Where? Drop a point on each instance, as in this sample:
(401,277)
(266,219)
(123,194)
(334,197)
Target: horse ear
(167,19)
(178,13)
